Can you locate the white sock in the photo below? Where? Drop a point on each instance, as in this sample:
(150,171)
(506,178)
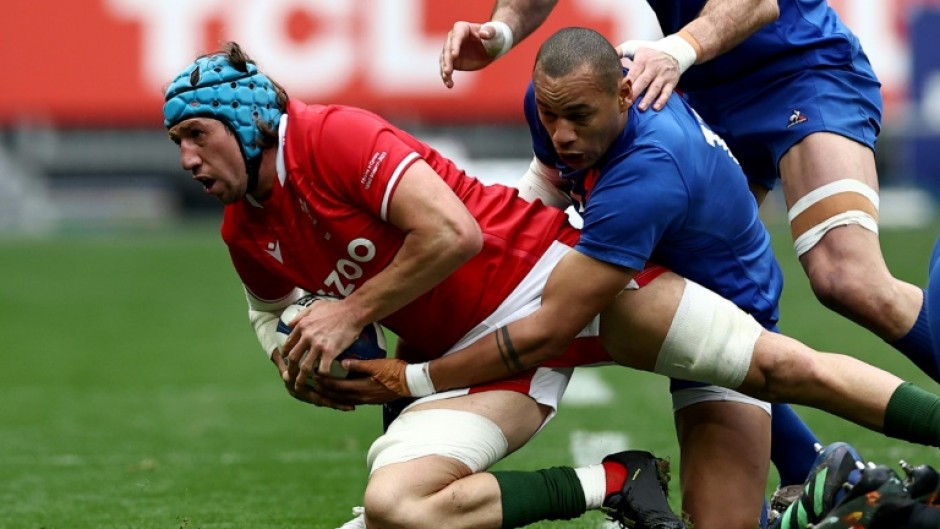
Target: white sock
(594,482)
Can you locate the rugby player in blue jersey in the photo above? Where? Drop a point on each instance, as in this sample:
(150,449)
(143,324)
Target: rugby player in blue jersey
(789,88)
(641,202)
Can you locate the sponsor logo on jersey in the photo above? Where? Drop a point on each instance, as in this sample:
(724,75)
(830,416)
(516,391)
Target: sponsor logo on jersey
(274,250)
(369,173)
(796,118)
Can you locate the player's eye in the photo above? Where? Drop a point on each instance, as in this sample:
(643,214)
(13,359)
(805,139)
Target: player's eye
(546,116)
(580,117)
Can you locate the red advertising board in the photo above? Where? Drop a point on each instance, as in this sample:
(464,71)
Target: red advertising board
(105,62)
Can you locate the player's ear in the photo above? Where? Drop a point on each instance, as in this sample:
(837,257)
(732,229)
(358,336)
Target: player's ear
(625,94)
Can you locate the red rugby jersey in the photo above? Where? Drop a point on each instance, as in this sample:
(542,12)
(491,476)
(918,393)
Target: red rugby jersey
(324,227)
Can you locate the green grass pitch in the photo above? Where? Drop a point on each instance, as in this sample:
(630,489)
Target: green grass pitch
(135,396)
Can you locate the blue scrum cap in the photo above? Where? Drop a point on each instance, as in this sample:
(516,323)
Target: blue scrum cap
(211,87)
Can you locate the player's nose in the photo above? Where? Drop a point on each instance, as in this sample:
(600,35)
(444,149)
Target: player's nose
(189,158)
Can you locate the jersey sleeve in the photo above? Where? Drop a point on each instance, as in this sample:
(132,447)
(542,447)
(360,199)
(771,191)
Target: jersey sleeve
(364,158)
(639,198)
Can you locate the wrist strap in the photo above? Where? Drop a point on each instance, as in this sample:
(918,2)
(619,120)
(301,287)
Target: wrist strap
(418,378)
(500,44)
(680,49)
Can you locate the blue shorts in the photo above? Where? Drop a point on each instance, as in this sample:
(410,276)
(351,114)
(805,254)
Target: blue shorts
(761,116)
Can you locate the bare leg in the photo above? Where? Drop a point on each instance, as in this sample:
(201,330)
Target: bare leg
(725,446)
(785,370)
(437,492)
(846,268)
(725,451)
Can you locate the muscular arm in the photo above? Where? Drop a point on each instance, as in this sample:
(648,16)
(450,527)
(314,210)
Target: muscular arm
(577,290)
(522,16)
(723,24)
(474,45)
(440,235)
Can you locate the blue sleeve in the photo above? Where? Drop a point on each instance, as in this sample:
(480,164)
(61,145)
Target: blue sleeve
(639,199)
(541,141)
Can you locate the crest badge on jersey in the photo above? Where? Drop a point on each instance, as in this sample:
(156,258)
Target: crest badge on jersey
(274,250)
(796,118)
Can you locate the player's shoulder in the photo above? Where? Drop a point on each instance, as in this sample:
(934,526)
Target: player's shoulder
(318,117)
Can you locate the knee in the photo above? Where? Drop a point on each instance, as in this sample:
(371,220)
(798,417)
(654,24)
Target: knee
(785,367)
(839,285)
(387,506)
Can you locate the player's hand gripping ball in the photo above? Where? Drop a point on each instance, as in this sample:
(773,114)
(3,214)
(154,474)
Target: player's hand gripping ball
(369,345)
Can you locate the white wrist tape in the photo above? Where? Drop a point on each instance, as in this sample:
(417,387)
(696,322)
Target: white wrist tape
(539,183)
(675,46)
(265,325)
(418,378)
(502,42)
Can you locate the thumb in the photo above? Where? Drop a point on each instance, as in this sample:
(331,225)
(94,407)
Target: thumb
(358,366)
(628,48)
(487,31)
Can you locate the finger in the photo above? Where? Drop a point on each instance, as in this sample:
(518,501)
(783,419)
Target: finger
(317,399)
(346,391)
(304,370)
(652,94)
(628,48)
(323,366)
(634,72)
(642,85)
(663,97)
(358,366)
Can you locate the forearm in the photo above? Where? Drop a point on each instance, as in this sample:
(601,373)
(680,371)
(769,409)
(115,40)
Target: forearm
(723,24)
(568,305)
(423,261)
(543,183)
(522,16)
(264,317)
(508,350)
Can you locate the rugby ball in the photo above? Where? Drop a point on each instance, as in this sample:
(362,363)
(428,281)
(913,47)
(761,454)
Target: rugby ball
(369,345)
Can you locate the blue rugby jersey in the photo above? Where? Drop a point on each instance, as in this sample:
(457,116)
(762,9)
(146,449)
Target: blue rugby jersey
(669,191)
(807,34)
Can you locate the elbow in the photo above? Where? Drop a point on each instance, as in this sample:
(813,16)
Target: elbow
(467,241)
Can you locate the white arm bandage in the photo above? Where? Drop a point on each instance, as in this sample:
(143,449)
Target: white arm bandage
(264,315)
(541,182)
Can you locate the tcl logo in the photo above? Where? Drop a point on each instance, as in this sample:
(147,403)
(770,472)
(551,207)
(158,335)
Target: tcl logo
(393,48)
(323,45)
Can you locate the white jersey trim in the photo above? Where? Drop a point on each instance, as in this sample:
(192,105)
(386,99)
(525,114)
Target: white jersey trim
(279,160)
(394,180)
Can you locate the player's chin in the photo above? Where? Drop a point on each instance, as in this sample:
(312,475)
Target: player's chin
(577,161)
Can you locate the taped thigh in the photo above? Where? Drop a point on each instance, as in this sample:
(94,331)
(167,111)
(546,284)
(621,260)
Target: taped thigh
(839,203)
(710,340)
(467,437)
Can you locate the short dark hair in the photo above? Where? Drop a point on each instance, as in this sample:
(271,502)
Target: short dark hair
(570,48)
